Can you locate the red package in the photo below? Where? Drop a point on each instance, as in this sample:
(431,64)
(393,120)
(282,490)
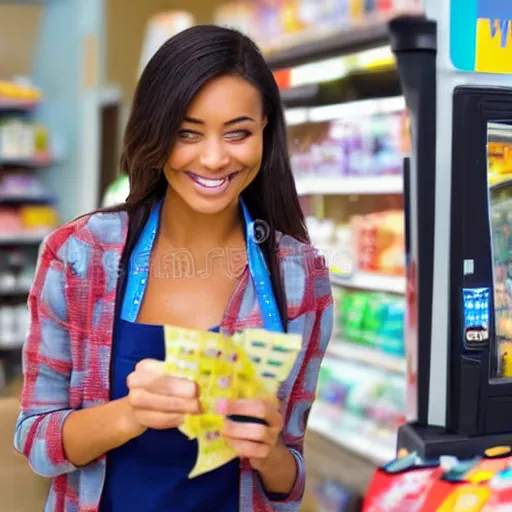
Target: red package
(400,492)
(367,244)
(501,492)
(439,494)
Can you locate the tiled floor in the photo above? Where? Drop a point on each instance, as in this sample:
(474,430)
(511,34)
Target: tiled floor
(20,489)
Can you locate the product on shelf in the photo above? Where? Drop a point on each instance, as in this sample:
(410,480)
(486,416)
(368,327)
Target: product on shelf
(362,146)
(10,221)
(500,162)
(360,399)
(501,223)
(284,23)
(16,271)
(331,495)
(330,152)
(27,219)
(160,27)
(380,242)
(14,325)
(372,319)
(22,185)
(21,139)
(238,14)
(39,217)
(373,243)
(19,91)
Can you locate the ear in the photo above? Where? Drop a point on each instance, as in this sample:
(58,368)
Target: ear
(265,121)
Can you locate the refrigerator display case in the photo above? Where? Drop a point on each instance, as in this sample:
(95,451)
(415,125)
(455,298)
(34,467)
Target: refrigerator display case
(499,150)
(455,452)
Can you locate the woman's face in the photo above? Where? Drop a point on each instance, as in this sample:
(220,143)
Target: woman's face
(219,147)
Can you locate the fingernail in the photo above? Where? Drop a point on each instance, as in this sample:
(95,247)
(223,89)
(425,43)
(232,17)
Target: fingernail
(222,406)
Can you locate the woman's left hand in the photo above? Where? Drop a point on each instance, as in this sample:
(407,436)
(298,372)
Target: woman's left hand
(253,441)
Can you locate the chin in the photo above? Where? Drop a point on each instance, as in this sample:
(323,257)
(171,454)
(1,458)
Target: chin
(208,206)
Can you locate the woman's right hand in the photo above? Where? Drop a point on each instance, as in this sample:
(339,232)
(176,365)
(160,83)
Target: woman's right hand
(157,400)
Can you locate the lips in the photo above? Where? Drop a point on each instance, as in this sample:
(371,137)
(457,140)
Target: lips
(211,183)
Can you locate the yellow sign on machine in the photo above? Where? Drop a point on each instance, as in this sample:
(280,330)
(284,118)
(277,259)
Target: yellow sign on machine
(494,46)
(481,35)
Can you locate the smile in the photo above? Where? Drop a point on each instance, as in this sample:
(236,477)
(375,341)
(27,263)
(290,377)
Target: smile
(211,183)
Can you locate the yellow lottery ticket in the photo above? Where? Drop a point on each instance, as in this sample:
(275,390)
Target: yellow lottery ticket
(249,364)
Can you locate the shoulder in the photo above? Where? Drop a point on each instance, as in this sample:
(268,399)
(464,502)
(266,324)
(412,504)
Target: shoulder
(305,272)
(102,231)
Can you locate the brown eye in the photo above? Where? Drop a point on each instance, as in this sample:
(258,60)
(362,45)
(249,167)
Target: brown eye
(188,136)
(238,135)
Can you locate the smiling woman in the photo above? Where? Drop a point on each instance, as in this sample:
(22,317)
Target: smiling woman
(211,192)
(219,147)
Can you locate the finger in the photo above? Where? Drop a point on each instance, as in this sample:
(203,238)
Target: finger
(249,432)
(151,366)
(248,449)
(254,408)
(162,384)
(159,420)
(143,399)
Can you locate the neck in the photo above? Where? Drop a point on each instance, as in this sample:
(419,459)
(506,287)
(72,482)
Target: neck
(182,227)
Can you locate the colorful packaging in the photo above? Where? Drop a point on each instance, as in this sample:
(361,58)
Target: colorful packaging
(391,332)
(482,484)
(354,308)
(387,408)
(330,151)
(374,317)
(402,492)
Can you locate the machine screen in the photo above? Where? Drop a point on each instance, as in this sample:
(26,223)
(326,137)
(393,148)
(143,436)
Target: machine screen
(499,150)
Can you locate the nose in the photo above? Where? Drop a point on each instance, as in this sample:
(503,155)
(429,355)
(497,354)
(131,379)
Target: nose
(214,156)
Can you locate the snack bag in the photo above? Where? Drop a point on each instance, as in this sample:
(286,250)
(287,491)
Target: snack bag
(249,364)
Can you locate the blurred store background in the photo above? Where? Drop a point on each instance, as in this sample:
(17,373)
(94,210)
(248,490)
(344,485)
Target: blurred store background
(68,69)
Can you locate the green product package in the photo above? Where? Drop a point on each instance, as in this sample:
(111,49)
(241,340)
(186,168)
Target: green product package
(374,318)
(355,306)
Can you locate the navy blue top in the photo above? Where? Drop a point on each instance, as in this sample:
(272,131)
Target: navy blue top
(150,473)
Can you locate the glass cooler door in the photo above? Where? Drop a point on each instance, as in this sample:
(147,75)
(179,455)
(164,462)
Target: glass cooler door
(499,151)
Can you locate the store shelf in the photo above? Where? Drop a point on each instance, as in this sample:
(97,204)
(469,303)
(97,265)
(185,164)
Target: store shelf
(34,3)
(14,292)
(28,238)
(349,110)
(16,105)
(354,352)
(301,95)
(334,43)
(377,185)
(9,347)
(378,451)
(374,282)
(38,162)
(19,199)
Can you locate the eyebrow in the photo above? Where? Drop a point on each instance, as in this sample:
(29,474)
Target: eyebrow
(237,120)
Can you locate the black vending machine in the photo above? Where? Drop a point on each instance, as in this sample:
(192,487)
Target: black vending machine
(459,254)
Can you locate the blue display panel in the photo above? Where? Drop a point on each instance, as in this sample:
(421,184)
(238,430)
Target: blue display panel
(476,316)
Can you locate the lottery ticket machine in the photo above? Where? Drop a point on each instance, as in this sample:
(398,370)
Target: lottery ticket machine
(455,67)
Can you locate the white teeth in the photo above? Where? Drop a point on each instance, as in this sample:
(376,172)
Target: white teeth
(210,183)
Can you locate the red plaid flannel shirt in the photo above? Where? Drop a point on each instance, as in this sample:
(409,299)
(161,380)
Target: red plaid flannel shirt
(68,349)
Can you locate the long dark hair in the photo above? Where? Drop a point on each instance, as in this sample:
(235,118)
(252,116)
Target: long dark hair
(170,81)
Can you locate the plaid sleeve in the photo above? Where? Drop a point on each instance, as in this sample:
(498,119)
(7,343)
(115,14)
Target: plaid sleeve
(47,369)
(316,324)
